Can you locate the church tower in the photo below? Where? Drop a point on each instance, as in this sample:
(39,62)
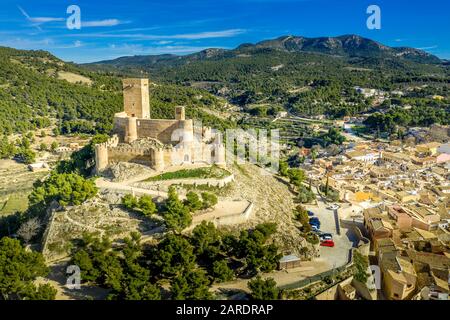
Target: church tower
(136,98)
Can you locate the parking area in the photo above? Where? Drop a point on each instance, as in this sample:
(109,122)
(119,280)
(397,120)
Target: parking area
(343,238)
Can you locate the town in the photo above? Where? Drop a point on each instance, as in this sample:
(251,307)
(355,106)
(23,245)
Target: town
(228,158)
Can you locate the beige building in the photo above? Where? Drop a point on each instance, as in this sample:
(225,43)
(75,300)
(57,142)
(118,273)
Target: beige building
(399,277)
(157,143)
(366,156)
(429,149)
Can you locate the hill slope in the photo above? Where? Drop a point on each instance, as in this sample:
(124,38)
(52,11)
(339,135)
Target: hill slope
(38,90)
(347,46)
(305,76)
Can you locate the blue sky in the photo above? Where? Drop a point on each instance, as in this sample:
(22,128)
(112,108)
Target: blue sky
(135,27)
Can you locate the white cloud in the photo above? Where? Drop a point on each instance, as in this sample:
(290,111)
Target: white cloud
(188,36)
(33,44)
(37,21)
(102,23)
(162,42)
(74,45)
(26,44)
(428,48)
(114,50)
(45,19)
(209,34)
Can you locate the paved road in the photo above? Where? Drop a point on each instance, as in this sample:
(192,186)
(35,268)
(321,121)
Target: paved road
(342,237)
(350,135)
(120,186)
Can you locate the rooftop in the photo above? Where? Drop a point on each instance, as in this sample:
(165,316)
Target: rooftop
(429,145)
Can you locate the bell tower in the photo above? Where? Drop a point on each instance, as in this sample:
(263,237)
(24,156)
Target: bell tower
(136,99)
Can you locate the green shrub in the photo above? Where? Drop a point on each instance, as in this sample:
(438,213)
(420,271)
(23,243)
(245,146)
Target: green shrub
(193,201)
(147,205)
(129,201)
(209,200)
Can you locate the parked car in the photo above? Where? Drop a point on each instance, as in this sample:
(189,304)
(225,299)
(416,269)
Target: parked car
(325,236)
(315,227)
(314,223)
(327,243)
(314,219)
(310,213)
(333,207)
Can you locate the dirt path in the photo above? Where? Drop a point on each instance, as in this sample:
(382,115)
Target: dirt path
(84,226)
(123,186)
(282,277)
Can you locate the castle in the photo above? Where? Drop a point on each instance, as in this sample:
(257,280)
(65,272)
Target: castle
(157,143)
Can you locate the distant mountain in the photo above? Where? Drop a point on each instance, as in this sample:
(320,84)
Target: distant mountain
(347,46)
(304,75)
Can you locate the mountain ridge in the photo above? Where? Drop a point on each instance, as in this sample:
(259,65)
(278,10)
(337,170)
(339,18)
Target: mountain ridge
(347,46)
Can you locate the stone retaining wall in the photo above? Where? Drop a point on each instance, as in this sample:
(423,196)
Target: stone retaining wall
(235,219)
(195,182)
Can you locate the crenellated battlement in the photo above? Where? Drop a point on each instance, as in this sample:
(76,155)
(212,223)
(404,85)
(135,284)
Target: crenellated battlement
(155,142)
(131,149)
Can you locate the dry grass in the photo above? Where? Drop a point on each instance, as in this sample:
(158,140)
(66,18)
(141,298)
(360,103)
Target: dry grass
(73,77)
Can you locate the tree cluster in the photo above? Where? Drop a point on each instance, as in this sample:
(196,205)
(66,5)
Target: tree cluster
(19,268)
(65,188)
(188,263)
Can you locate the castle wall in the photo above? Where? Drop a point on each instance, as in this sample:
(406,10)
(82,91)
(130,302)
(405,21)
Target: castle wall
(177,134)
(131,130)
(101,157)
(180,113)
(219,157)
(160,129)
(120,127)
(159,160)
(129,154)
(167,156)
(188,130)
(136,99)
(102,154)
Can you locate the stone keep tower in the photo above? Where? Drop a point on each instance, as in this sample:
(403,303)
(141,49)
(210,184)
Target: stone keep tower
(136,98)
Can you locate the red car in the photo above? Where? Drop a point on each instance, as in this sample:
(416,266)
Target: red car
(327,243)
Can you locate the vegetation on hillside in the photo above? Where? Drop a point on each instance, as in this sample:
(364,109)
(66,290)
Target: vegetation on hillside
(212,172)
(190,264)
(304,80)
(33,97)
(19,268)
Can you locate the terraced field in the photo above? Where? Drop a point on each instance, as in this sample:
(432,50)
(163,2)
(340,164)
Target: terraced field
(16,182)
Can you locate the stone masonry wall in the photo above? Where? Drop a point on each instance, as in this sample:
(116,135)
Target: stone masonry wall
(158,129)
(130,154)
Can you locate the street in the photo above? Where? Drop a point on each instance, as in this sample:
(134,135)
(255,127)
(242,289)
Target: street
(343,238)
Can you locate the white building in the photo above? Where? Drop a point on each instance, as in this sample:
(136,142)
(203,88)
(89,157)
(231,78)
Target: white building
(367,156)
